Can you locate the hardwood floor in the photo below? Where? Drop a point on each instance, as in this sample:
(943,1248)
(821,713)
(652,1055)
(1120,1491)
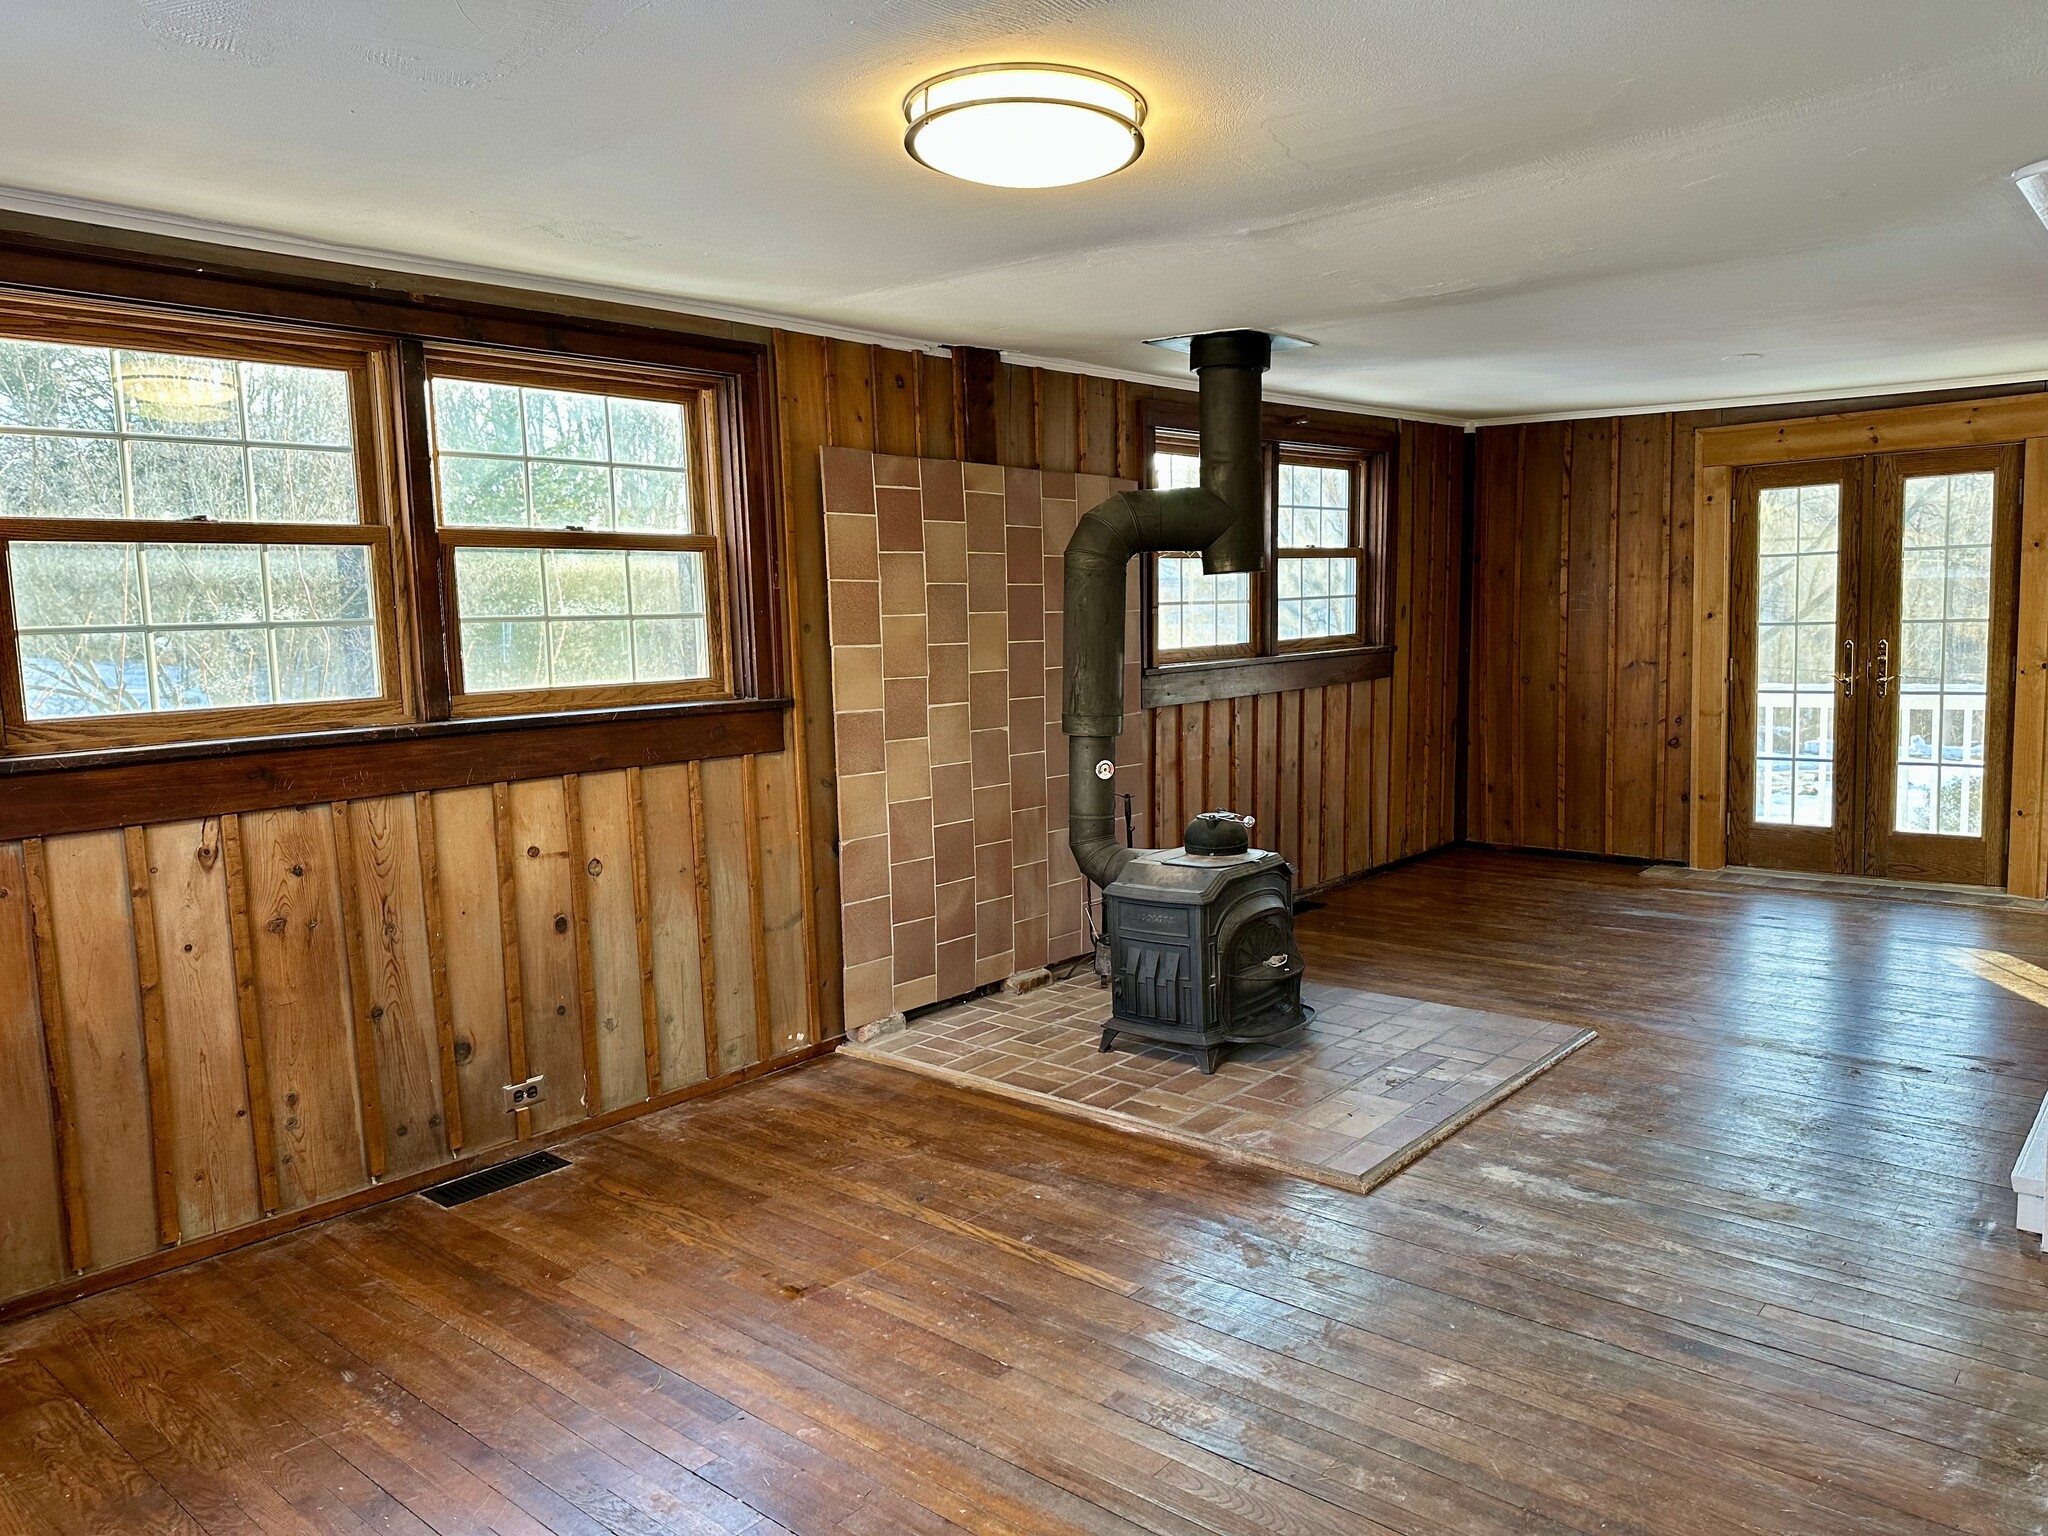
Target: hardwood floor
(1744,1264)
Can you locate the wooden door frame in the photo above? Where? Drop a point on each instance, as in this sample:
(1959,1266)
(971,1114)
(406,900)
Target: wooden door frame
(1720,451)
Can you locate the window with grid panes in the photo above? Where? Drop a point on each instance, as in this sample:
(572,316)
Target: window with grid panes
(1311,599)
(1317,553)
(188,546)
(572,515)
(1194,615)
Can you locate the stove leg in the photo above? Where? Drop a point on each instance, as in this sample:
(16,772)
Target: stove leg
(1107,1036)
(1208,1057)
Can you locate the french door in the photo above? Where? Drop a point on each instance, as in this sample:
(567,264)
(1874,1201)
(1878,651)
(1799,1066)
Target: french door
(1871,624)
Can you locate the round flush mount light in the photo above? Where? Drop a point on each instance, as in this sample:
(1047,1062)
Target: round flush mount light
(2032,180)
(1024,125)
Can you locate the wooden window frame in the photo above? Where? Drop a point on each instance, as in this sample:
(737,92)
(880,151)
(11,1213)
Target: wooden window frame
(1360,468)
(1171,440)
(182,286)
(712,505)
(369,367)
(1267,664)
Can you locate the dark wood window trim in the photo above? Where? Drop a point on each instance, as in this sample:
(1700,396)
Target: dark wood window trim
(1273,669)
(39,257)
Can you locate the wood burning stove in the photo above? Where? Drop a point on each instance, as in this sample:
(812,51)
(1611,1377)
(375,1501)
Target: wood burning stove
(1200,938)
(1201,944)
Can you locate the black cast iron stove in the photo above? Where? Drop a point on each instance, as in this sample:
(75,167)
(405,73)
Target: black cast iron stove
(1201,943)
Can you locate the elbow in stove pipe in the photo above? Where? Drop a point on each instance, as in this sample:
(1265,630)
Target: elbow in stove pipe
(1222,519)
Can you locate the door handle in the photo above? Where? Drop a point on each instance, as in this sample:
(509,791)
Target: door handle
(1848,674)
(1884,667)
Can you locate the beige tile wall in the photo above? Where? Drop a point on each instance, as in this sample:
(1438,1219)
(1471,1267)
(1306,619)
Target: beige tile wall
(945,623)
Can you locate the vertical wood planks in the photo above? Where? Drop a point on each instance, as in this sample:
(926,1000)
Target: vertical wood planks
(894,380)
(1409,502)
(1579,729)
(725,837)
(1489,774)
(214,1167)
(1336,763)
(1587,560)
(1266,768)
(394,969)
(369,1092)
(149,986)
(611,920)
(505,874)
(97,1007)
(1711,529)
(426,835)
(1310,779)
(483,972)
(550,979)
(643,927)
(1357,778)
(1059,423)
(31,1204)
(935,406)
(850,393)
(248,1012)
(803,423)
(1680,606)
(790,1001)
(2026,849)
(707,949)
(303,1002)
(757,940)
(1539,637)
(578,885)
(57,1057)
(1641,591)
(673,926)
(1288,828)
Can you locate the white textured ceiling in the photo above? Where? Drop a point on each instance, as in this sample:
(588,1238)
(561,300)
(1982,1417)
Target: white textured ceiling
(1478,208)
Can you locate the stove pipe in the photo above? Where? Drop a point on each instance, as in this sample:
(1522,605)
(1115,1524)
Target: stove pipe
(1223,519)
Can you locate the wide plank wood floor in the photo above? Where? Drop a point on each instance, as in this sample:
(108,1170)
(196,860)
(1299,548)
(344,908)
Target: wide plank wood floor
(1745,1264)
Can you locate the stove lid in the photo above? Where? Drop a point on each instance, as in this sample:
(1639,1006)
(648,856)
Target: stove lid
(1192,879)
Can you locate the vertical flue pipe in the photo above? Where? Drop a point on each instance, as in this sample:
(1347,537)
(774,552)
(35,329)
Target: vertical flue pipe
(1223,518)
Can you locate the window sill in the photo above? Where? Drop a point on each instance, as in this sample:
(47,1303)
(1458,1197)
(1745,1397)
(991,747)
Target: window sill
(52,793)
(1197,682)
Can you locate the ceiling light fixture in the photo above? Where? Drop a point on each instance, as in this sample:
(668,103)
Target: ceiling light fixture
(2032,180)
(1024,125)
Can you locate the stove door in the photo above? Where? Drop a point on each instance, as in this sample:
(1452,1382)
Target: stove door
(1260,962)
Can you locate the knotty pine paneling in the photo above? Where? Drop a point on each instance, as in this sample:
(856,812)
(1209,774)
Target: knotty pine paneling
(1346,778)
(1579,729)
(1382,784)
(1581,621)
(212,1028)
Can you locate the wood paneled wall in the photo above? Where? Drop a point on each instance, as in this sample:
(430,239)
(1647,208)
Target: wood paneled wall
(1307,761)
(1578,721)
(1346,778)
(1581,622)
(216,1028)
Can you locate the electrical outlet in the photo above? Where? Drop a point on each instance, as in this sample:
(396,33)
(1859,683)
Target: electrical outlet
(524,1095)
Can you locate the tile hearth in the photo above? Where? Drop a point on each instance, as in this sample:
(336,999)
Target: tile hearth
(1373,1083)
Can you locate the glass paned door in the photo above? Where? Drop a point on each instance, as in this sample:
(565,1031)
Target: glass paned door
(1793,616)
(1871,626)
(1799,549)
(1943,581)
